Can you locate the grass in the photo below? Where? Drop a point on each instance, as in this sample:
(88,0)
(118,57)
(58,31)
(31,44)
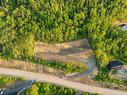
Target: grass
(66,67)
(5,80)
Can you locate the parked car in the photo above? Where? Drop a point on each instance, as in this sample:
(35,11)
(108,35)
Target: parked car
(117,70)
(1,93)
(123,26)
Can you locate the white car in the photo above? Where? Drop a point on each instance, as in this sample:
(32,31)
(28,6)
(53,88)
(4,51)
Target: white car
(124,27)
(1,93)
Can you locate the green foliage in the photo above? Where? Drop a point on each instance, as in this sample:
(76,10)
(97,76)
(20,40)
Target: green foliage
(39,88)
(5,79)
(51,89)
(103,76)
(32,91)
(86,93)
(48,89)
(16,38)
(66,67)
(24,46)
(23,21)
(105,39)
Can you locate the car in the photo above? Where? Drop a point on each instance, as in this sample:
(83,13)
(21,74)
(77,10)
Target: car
(1,92)
(123,26)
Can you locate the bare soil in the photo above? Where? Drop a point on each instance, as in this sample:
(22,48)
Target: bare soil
(77,51)
(26,66)
(72,51)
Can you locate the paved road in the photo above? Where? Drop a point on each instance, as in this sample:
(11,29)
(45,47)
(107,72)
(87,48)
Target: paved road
(61,82)
(79,93)
(14,91)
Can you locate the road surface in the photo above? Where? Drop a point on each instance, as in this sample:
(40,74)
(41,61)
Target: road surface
(79,93)
(61,82)
(14,91)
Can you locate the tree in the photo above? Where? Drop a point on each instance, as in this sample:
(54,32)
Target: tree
(32,91)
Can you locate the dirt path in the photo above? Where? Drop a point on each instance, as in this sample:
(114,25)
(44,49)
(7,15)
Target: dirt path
(71,51)
(61,82)
(77,51)
(91,67)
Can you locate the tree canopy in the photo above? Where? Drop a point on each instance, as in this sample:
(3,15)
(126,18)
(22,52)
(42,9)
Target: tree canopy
(22,22)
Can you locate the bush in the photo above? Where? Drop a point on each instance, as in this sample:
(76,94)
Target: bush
(48,89)
(103,76)
(66,67)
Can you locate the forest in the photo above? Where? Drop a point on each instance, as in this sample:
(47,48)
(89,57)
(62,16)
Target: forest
(23,22)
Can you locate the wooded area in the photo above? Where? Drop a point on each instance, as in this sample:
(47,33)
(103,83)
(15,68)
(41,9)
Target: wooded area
(22,22)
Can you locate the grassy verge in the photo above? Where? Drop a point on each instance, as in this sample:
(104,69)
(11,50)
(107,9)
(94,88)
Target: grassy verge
(51,89)
(67,67)
(48,89)
(5,80)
